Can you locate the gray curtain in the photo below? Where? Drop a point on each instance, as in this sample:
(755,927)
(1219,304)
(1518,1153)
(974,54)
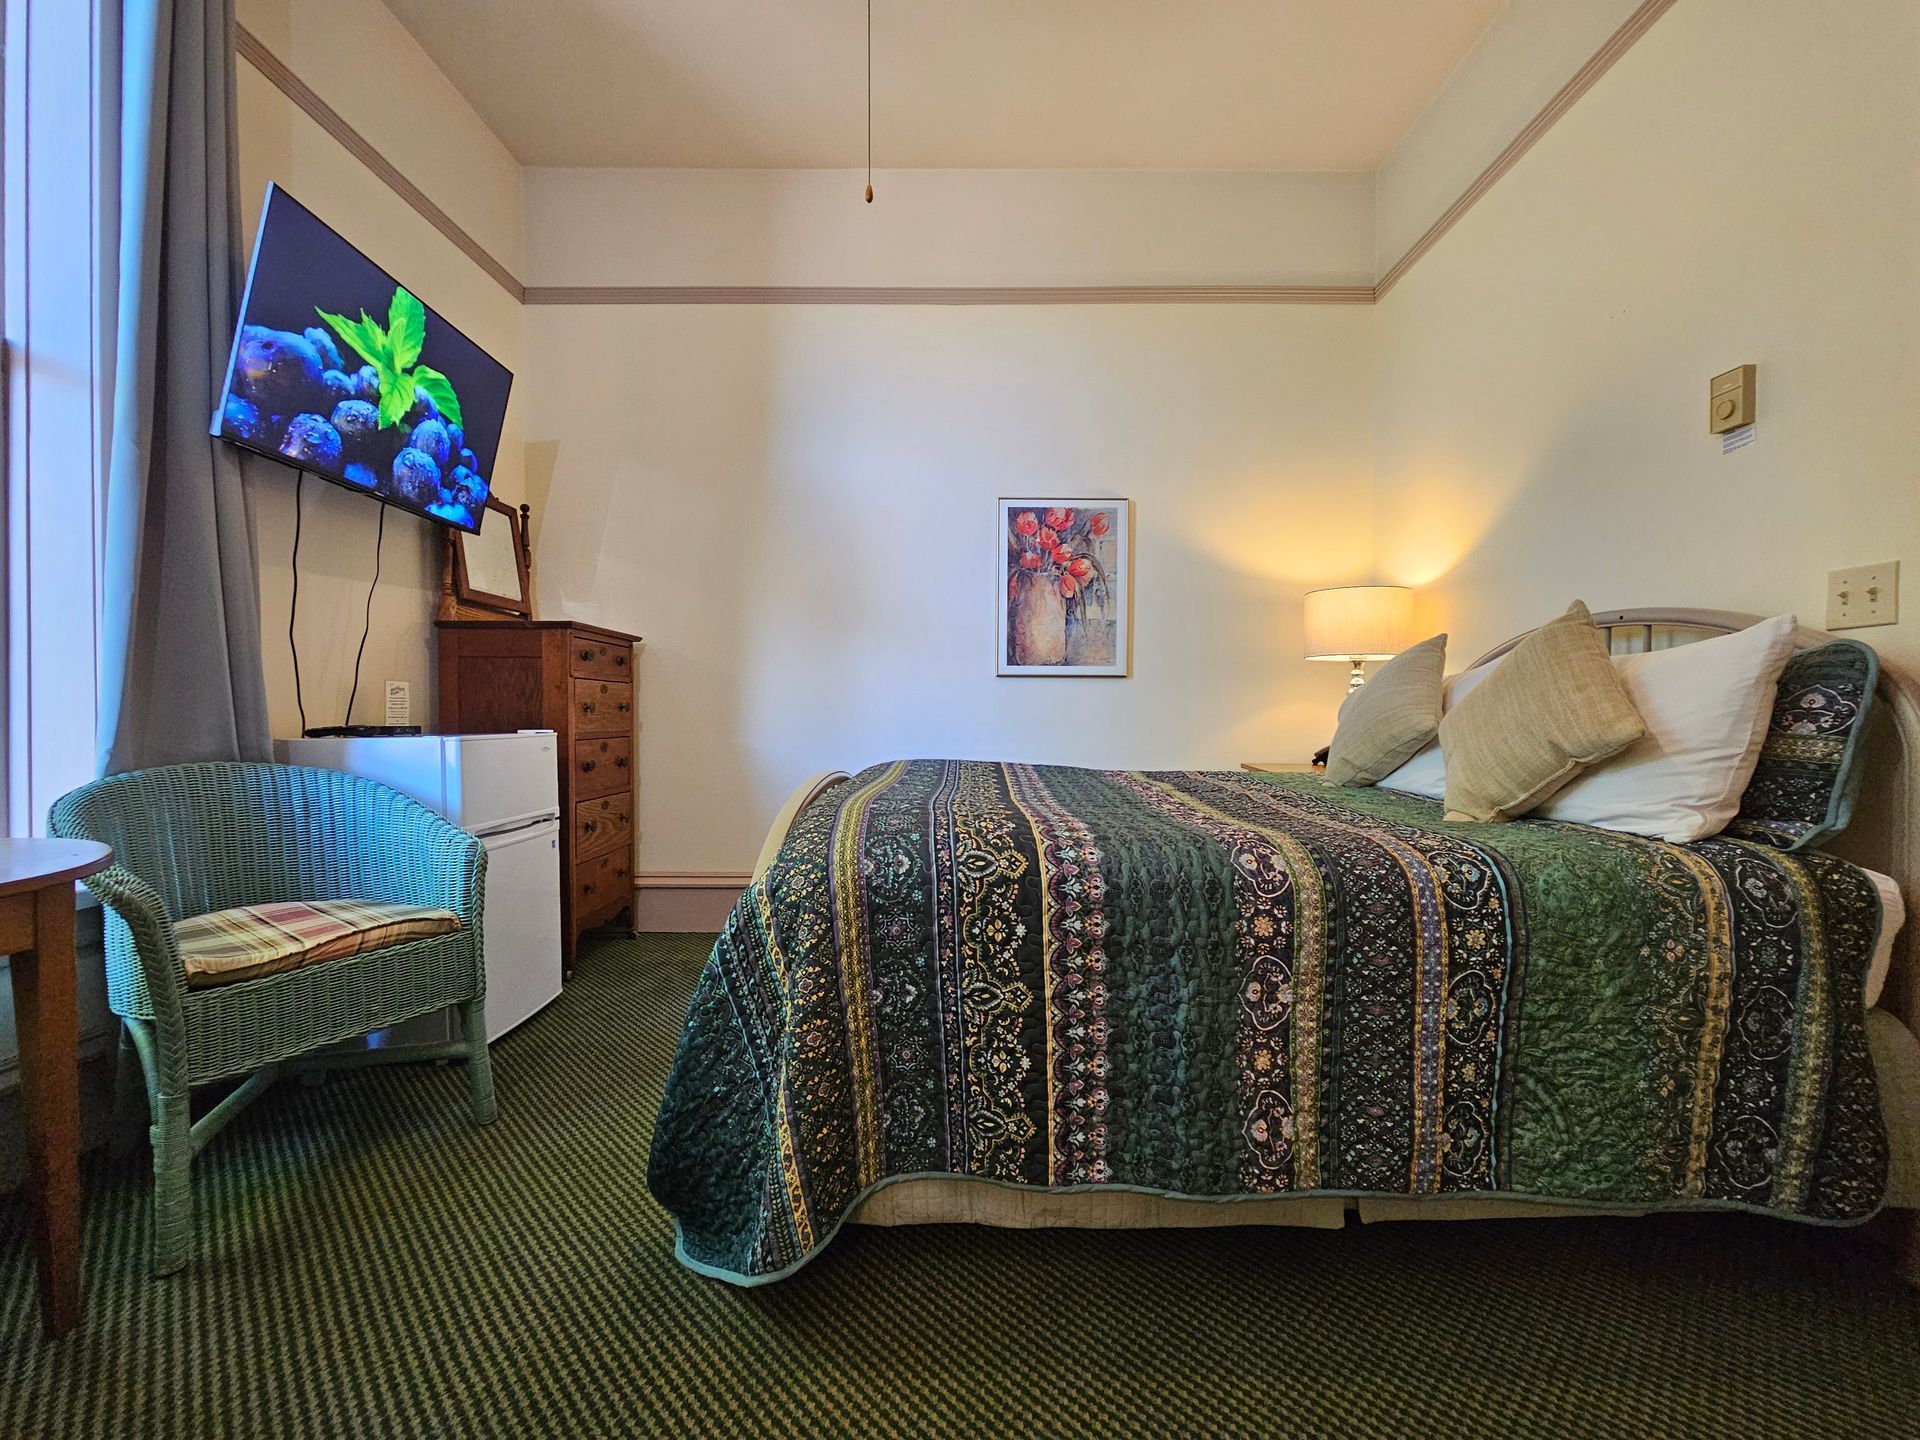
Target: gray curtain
(180,675)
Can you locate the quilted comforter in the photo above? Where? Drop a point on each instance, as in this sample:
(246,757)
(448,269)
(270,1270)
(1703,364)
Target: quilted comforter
(1226,985)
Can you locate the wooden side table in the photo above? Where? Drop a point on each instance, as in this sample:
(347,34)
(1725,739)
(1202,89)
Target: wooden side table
(36,931)
(1283,767)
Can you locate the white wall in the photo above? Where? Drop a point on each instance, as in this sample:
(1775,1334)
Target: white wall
(947,227)
(1742,186)
(795,504)
(1518,65)
(431,134)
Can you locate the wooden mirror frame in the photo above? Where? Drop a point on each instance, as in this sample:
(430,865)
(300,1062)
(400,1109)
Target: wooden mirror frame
(459,600)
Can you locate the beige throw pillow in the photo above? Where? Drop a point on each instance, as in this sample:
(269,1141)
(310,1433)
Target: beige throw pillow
(1387,720)
(1555,706)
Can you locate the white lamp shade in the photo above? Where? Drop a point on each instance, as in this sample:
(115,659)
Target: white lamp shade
(1359,622)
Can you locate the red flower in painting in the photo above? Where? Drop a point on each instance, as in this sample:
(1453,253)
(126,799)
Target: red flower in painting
(1080,567)
(1069,586)
(1059,519)
(1047,538)
(1061,555)
(1097,523)
(1024,523)
(1029,559)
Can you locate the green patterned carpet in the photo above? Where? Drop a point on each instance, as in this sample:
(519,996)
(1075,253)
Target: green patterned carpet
(369,1264)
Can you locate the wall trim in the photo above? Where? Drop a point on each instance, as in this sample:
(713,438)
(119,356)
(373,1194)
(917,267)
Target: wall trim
(949,295)
(250,48)
(1564,99)
(692,880)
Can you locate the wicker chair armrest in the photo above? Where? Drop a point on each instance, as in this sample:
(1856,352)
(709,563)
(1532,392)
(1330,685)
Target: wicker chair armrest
(150,927)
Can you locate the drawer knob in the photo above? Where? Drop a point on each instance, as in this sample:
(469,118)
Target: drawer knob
(620,762)
(620,659)
(587,889)
(585,765)
(622,707)
(586,654)
(586,707)
(586,828)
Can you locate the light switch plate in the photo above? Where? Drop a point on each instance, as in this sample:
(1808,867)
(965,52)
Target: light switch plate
(1864,595)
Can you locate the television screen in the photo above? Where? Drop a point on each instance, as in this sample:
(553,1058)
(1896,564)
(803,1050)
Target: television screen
(339,369)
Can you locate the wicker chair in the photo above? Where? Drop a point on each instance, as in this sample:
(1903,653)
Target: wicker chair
(191,839)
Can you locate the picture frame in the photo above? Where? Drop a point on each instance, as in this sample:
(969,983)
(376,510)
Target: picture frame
(1065,587)
(490,574)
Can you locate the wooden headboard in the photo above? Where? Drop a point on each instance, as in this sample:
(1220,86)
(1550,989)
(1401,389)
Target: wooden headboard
(1885,832)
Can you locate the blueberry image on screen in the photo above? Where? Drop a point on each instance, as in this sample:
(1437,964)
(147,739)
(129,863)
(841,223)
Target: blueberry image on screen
(416,477)
(358,422)
(240,419)
(362,475)
(423,408)
(277,370)
(462,485)
(323,342)
(366,383)
(455,514)
(312,441)
(431,437)
(339,385)
(466,459)
(457,439)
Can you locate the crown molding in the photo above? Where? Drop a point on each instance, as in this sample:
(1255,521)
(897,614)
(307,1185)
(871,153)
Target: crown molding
(1564,99)
(949,295)
(254,52)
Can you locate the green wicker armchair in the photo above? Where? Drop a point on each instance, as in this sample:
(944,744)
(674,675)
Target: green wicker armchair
(191,839)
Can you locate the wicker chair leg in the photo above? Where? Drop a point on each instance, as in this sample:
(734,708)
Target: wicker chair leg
(473,1019)
(172,1183)
(129,1096)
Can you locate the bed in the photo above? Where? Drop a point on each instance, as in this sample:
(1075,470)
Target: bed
(1039,995)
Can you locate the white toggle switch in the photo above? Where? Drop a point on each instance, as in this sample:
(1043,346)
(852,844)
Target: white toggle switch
(1864,595)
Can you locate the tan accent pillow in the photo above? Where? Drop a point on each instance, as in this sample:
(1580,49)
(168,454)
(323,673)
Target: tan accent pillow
(1389,719)
(1554,706)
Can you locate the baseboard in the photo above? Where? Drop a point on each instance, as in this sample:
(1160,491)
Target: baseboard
(685,901)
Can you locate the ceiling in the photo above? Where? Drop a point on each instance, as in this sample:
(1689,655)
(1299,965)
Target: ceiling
(1152,84)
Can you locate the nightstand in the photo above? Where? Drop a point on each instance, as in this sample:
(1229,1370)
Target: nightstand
(1284,767)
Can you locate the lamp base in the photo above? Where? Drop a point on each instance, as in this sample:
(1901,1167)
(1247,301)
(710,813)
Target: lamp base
(1357,676)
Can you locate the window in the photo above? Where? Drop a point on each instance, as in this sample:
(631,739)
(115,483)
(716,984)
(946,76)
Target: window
(61,134)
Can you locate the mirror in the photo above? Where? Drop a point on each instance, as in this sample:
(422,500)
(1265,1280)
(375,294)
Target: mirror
(490,570)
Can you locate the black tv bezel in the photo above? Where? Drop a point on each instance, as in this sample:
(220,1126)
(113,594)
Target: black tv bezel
(218,427)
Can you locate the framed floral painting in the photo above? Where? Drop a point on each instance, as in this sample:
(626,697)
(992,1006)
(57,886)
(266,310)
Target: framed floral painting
(1065,583)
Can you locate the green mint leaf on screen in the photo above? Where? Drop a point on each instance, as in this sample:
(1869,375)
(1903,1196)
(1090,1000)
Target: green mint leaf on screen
(437,388)
(406,328)
(396,396)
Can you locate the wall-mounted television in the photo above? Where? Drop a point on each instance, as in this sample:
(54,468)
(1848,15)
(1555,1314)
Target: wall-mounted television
(340,370)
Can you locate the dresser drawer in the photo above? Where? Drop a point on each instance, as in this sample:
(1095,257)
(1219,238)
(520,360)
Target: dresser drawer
(602,765)
(599,825)
(602,884)
(602,707)
(601,659)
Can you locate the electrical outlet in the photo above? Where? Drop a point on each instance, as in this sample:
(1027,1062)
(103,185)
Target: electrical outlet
(1864,595)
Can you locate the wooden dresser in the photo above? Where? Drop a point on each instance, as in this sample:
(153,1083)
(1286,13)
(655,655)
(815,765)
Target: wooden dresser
(582,682)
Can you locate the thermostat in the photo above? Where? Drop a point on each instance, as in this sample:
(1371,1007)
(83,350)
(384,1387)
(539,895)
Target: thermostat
(1730,400)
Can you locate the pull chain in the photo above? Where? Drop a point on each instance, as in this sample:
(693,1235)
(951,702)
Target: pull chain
(869,102)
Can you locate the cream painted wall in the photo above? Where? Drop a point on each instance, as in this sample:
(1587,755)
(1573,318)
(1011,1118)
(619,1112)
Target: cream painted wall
(438,142)
(1742,186)
(1515,68)
(795,505)
(947,227)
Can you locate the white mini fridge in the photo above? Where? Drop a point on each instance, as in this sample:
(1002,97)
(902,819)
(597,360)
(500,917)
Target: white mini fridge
(505,790)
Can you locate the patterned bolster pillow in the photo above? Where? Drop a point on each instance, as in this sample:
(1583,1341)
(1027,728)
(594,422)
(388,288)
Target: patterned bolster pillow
(1804,786)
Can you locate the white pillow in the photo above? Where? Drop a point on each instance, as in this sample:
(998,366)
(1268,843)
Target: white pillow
(1706,707)
(1426,773)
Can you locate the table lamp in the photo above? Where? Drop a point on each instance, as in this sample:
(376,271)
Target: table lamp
(1358,623)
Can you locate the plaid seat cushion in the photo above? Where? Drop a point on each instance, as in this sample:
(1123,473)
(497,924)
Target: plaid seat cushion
(249,941)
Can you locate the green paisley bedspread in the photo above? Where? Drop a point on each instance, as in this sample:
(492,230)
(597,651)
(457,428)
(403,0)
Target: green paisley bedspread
(1227,985)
